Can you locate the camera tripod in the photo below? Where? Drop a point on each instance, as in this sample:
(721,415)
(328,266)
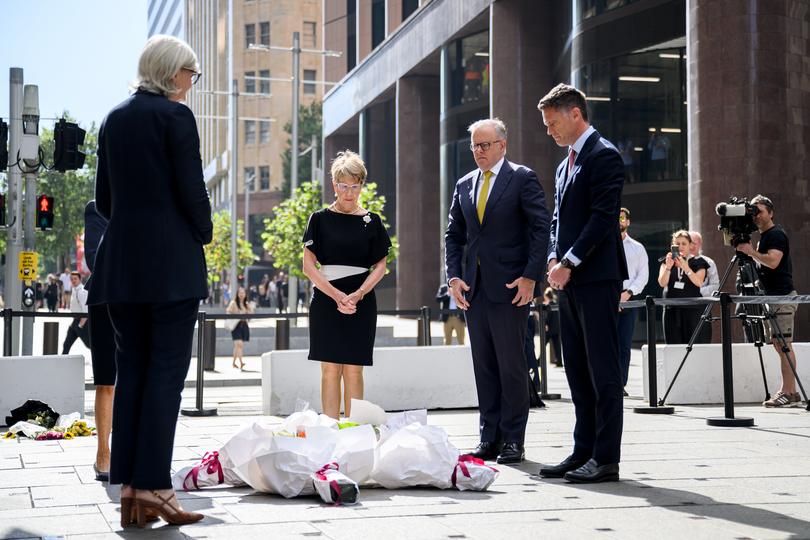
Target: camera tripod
(752,316)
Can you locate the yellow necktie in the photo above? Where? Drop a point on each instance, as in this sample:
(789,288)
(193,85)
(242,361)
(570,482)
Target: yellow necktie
(482,196)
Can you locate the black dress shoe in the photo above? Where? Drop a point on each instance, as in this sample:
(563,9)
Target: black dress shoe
(592,472)
(486,450)
(558,471)
(512,452)
(101,476)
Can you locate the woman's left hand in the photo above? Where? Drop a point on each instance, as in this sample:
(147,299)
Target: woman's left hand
(353,298)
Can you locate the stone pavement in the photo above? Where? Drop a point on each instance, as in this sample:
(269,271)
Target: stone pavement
(680,479)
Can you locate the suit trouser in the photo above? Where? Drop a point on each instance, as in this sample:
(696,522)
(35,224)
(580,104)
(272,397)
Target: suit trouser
(497,336)
(627,323)
(75,332)
(153,351)
(589,314)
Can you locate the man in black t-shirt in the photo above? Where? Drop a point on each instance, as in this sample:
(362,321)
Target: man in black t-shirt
(776,276)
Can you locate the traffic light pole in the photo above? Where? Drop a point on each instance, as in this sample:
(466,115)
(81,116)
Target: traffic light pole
(13,291)
(292,281)
(30,127)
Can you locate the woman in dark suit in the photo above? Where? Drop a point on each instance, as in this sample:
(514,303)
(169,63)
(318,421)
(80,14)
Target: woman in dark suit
(150,269)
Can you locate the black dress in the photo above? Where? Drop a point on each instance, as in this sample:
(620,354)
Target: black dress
(680,321)
(350,240)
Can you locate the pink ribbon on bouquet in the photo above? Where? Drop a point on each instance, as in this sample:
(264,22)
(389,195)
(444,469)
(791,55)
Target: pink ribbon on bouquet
(463,460)
(321,475)
(210,461)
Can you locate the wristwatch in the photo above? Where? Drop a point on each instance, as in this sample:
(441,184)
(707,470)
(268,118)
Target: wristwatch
(566,263)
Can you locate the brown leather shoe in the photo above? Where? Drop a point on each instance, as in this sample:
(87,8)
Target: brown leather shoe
(163,507)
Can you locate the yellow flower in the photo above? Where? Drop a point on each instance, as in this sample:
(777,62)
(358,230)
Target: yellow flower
(68,435)
(9,435)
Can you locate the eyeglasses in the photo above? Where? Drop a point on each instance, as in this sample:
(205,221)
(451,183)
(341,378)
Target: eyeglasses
(354,188)
(622,219)
(195,75)
(484,146)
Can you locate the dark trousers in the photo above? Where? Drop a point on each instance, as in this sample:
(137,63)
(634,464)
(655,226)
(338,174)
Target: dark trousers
(589,317)
(531,356)
(153,351)
(680,323)
(75,332)
(497,339)
(627,323)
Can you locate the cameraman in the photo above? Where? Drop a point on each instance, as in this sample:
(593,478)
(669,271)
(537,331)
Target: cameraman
(776,276)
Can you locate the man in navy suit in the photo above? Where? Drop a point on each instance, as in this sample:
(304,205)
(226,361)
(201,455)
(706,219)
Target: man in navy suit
(499,214)
(586,264)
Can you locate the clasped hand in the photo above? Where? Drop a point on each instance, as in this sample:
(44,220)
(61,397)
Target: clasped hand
(347,303)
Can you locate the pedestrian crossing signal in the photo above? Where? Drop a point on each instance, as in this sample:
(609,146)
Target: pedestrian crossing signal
(44,213)
(67,138)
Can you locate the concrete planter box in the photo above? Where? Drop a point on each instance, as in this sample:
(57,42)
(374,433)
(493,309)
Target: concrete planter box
(701,379)
(57,380)
(439,377)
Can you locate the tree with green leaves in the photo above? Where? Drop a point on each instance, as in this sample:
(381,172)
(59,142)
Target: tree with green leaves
(218,252)
(310,122)
(283,233)
(71,191)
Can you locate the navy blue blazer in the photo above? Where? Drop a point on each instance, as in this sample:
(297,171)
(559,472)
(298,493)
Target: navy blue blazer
(149,186)
(94,227)
(586,213)
(512,240)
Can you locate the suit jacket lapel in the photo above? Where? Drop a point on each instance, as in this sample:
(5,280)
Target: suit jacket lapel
(467,200)
(501,183)
(567,179)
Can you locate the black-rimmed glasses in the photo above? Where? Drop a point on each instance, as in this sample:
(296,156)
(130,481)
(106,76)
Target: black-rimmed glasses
(483,146)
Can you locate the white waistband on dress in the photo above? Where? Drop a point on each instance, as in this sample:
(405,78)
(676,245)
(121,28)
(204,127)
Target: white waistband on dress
(338,271)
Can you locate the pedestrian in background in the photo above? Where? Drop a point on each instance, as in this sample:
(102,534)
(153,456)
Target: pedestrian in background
(552,322)
(351,245)
(452,322)
(64,280)
(52,293)
(638,274)
(240,333)
(150,269)
(712,282)
(78,304)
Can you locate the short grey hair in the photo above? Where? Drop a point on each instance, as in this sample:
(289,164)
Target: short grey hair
(162,57)
(347,163)
(495,123)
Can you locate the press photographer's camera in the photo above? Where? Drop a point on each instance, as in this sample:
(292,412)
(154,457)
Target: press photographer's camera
(737,220)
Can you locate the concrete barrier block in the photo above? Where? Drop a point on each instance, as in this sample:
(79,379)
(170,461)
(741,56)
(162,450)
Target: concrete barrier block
(57,380)
(438,377)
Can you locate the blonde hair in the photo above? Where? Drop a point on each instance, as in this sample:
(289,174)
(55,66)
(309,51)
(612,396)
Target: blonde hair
(682,234)
(162,57)
(347,163)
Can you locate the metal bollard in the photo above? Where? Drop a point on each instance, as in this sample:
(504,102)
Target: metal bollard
(543,357)
(282,334)
(7,331)
(199,410)
(728,375)
(50,338)
(652,365)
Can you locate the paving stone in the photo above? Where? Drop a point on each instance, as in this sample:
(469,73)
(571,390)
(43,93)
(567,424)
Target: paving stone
(63,525)
(51,476)
(15,498)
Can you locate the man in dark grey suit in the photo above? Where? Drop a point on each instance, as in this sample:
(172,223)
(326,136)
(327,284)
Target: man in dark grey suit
(499,214)
(586,264)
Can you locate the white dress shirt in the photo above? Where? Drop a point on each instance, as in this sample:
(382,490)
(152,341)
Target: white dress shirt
(78,299)
(480,179)
(577,148)
(712,281)
(638,268)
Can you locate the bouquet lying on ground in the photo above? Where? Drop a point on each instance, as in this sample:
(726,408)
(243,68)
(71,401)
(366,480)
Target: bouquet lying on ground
(312,453)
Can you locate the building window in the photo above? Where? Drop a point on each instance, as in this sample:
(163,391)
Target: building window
(250,82)
(469,65)
(408,7)
(264,178)
(264,131)
(264,33)
(351,34)
(638,102)
(250,178)
(309,75)
(377,22)
(590,8)
(250,132)
(310,39)
(250,35)
(264,81)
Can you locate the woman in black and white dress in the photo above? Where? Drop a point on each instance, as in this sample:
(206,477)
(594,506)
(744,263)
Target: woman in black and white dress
(345,247)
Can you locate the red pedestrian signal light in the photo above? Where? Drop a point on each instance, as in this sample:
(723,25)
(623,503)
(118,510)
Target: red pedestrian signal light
(44,213)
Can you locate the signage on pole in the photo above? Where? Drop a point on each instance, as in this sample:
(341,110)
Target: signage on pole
(28,265)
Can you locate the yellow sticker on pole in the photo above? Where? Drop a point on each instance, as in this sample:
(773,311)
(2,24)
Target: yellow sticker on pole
(29,261)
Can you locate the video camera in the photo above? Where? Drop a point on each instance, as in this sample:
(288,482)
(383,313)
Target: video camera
(736,220)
